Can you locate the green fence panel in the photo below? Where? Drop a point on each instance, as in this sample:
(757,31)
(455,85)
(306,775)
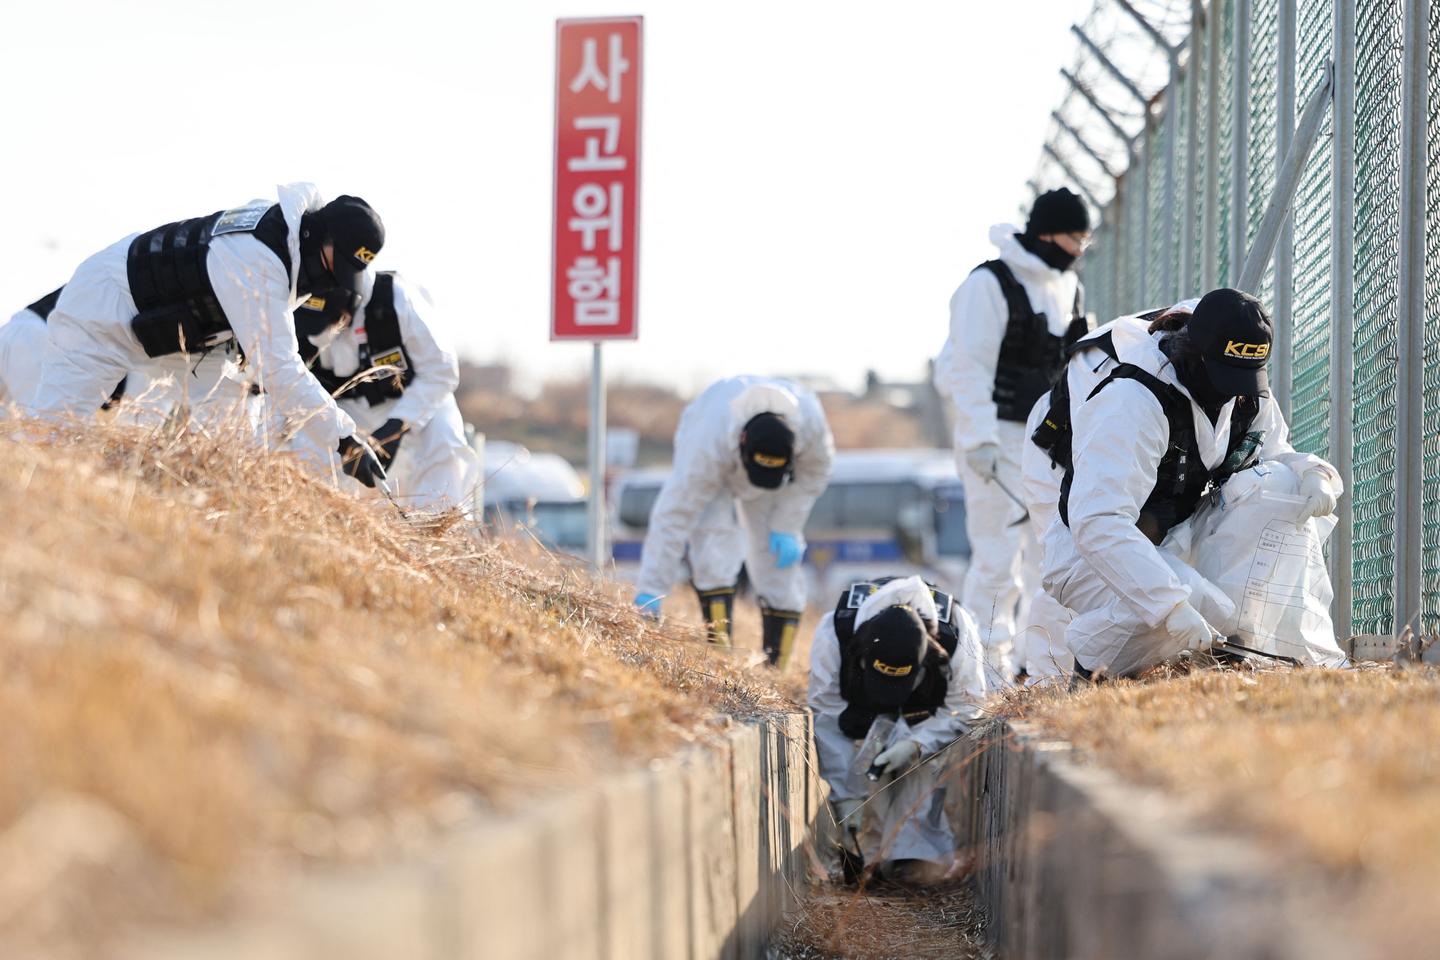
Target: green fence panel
(1430,569)
(1264,125)
(1156,144)
(1310,385)
(1225,91)
(1379,29)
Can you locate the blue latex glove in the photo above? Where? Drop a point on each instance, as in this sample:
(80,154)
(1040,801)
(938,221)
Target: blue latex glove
(788,548)
(648,604)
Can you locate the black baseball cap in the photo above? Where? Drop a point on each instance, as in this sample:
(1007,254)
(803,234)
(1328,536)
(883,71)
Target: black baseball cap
(1233,334)
(357,232)
(767,447)
(893,644)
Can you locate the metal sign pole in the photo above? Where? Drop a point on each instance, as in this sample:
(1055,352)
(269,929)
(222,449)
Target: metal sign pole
(596,515)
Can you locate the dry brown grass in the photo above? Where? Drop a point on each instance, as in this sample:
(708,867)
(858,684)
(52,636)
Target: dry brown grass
(1338,772)
(214,666)
(939,922)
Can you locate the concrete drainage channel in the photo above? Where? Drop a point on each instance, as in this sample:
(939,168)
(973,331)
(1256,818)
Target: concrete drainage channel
(1076,863)
(703,856)
(697,857)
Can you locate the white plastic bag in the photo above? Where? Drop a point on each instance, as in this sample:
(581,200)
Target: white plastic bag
(1247,543)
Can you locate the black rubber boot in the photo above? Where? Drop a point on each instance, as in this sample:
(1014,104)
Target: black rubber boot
(777,635)
(718,609)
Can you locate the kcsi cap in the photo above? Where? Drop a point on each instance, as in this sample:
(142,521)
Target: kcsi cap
(357,232)
(767,447)
(894,643)
(1233,334)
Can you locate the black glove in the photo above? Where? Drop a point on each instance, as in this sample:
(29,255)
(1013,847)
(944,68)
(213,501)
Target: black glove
(387,438)
(357,461)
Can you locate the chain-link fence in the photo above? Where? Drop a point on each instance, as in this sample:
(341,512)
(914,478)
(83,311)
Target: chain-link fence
(1189,119)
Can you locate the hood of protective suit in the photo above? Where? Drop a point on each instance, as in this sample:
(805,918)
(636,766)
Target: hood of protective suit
(1213,438)
(911,592)
(763,398)
(296,200)
(1025,264)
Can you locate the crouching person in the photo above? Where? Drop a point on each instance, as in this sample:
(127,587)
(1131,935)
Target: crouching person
(1180,414)
(895,651)
(391,371)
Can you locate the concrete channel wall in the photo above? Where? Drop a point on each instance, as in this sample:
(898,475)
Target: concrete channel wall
(1074,863)
(693,858)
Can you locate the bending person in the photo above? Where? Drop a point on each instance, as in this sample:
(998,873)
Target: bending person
(896,649)
(752,455)
(214,293)
(408,405)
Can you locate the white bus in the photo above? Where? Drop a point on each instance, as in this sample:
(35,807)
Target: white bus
(886,512)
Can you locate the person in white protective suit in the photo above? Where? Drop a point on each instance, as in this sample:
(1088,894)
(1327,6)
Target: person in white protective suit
(1181,411)
(1042,463)
(1010,322)
(893,648)
(752,454)
(23,341)
(407,405)
(199,299)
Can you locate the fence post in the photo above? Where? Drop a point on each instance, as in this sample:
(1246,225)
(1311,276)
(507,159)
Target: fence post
(1240,142)
(1115,221)
(1198,46)
(1410,314)
(1168,279)
(1342,318)
(1282,356)
(1210,214)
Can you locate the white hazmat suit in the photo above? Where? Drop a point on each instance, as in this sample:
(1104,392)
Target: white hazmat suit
(1043,634)
(23,340)
(1102,566)
(905,819)
(709,506)
(1004,562)
(92,344)
(434,469)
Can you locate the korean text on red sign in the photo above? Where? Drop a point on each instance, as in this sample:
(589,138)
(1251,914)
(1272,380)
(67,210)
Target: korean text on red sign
(597,179)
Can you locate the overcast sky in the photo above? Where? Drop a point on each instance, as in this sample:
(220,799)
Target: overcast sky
(817,176)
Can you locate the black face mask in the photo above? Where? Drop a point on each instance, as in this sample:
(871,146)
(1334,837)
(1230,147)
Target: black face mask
(1190,371)
(1049,251)
(313,276)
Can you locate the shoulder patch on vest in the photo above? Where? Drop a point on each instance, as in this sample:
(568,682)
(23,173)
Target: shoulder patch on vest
(241,219)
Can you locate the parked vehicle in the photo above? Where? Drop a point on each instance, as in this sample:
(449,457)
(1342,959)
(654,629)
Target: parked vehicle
(537,494)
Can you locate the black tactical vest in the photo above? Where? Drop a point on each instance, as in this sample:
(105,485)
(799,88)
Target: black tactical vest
(383,346)
(1054,432)
(177,308)
(1031,357)
(1182,477)
(927,698)
(45,305)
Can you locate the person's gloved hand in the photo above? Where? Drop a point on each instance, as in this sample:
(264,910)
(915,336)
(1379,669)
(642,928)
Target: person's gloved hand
(357,460)
(387,438)
(1319,501)
(896,759)
(1186,625)
(847,821)
(648,604)
(788,548)
(984,459)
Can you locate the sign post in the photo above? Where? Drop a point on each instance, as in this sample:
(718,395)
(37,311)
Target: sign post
(595,268)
